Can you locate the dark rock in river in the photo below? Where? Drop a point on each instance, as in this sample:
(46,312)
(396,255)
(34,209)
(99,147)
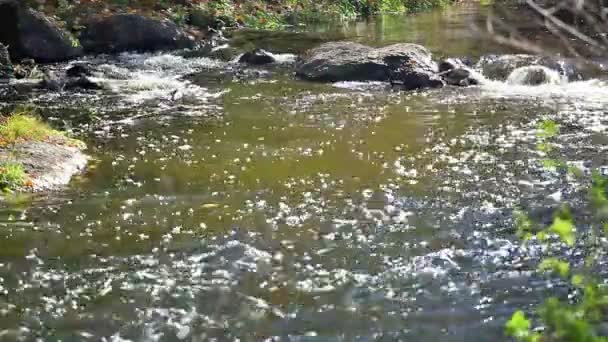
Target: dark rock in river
(460,77)
(81,82)
(257,57)
(133,32)
(407,64)
(450,64)
(47,164)
(78,70)
(30,34)
(225,54)
(455,72)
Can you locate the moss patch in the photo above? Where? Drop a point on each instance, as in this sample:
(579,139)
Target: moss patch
(23,127)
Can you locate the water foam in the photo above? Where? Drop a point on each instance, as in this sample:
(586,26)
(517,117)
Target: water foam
(535,75)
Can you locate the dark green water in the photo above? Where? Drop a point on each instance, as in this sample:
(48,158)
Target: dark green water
(263,208)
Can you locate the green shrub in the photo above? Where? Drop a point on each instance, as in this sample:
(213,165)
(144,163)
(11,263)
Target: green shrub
(12,176)
(24,127)
(563,320)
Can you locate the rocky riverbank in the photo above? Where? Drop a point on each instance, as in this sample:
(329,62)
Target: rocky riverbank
(35,157)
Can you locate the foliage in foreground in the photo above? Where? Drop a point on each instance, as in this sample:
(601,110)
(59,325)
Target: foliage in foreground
(580,319)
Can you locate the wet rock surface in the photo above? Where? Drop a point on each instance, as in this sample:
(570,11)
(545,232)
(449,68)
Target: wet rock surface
(132,32)
(47,164)
(457,73)
(31,34)
(408,64)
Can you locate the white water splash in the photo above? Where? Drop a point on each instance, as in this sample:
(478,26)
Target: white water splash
(139,78)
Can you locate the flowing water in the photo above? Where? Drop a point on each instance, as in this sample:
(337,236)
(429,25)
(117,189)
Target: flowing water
(239,204)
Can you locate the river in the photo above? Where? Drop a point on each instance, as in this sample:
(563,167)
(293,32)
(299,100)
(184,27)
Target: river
(239,204)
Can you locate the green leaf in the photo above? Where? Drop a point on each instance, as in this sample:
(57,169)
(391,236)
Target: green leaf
(578,280)
(524,225)
(544,147)
(564,228)
(555,265)
(518,326)
(548,129)
(551,164)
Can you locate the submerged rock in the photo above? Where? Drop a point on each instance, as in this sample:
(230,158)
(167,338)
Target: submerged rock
(534,75)
(70,81)
(133,32)
(499,67)
(48,165)
(81,82)
(30,34)
(257,57)
(407,64)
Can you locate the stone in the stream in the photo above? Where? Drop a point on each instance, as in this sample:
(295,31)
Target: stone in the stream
(462,77)
(47,164)
(455,72)
(31,34)
(133,32)
(257,57)
(450,64)
(78,70)
(410,65)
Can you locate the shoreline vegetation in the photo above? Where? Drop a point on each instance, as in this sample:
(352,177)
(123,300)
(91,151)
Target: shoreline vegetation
(215,14)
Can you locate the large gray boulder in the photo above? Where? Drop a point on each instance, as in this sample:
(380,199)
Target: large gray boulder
(30,34)
(409,65)
(133,32)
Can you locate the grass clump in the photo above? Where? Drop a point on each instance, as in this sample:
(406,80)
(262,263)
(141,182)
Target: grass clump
(23,127)
(12,176)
